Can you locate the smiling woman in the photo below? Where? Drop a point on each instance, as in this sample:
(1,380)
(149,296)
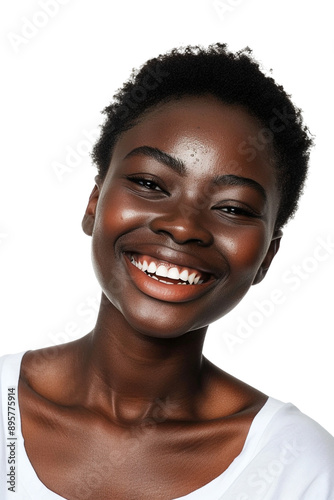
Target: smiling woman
(185,217)
(148,206)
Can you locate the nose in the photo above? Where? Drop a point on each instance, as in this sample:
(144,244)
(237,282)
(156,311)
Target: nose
(183,226)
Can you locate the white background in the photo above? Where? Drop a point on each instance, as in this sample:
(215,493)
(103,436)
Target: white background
(57,78)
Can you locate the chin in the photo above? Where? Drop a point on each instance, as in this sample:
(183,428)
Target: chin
(157,325)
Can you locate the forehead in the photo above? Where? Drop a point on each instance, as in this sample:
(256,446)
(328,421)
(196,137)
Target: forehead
(210,137)
(194,125)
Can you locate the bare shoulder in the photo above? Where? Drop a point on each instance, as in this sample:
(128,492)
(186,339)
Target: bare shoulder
(49,371)
(228,396)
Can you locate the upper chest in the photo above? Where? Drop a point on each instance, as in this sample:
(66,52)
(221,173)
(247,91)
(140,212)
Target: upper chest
(81,455)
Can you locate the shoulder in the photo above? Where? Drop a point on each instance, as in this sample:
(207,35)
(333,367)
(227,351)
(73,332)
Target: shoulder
(295,452)
(50,372)
(10,365)
(286,421)
(228,396)
(286,455)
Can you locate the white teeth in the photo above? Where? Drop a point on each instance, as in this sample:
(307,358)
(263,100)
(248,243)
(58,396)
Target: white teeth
(161,271)
(191,278)
(184,275)
(152,268)
(173,273)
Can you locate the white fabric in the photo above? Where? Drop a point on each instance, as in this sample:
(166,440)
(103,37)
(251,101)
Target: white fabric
(286,456)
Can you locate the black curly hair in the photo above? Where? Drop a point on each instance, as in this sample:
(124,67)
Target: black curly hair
(233,78)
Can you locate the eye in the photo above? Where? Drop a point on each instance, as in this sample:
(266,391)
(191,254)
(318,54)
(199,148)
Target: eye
(236,211)
(145,183)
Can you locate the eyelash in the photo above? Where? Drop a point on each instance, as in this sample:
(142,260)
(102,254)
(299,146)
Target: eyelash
(150,184)
(233,210)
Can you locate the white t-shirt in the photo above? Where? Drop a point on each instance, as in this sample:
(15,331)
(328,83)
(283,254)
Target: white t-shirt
(286,456)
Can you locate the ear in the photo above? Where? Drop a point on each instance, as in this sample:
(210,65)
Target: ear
(89,217)
(272,251)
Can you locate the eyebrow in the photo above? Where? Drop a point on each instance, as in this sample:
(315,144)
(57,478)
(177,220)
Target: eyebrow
(179,167)
(170,161)
(236,180)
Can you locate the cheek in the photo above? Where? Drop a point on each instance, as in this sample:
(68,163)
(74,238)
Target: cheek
(109,224)
(116,214)
(246,249)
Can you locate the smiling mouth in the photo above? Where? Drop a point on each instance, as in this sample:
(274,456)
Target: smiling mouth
(166,272)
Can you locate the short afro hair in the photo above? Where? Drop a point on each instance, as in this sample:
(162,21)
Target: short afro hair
(233,78)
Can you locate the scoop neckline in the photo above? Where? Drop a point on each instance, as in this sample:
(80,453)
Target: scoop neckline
(223,480)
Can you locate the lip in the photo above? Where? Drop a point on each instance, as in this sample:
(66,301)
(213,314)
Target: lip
(161,291)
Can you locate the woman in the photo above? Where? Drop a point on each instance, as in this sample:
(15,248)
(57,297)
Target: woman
(201,162)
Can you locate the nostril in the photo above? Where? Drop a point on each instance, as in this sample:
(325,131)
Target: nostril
(182,230)
(178,238)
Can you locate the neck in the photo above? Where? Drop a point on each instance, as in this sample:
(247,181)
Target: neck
(133,373)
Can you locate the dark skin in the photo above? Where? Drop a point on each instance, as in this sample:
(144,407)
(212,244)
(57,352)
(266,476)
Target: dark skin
(133,410)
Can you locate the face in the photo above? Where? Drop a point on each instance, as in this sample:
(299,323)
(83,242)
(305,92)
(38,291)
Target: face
(183,223)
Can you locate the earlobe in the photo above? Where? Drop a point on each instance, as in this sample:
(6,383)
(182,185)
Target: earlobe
(89,217)
(272,251)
